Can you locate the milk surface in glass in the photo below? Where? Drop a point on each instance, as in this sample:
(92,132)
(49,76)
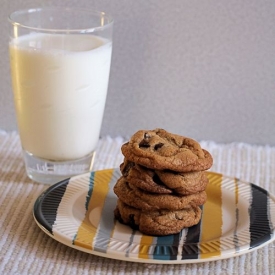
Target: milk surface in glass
(60,86)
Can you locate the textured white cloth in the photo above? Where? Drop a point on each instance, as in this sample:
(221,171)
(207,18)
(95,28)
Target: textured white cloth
(25,249)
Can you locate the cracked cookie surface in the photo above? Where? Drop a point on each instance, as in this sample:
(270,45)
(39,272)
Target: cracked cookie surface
(146,201)
(163,181)
(159,149)
(143,178)
(162,222)
(184,183)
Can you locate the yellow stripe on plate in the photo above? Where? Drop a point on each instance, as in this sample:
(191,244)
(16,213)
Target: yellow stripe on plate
(211,227)
(85,236)
(146,243)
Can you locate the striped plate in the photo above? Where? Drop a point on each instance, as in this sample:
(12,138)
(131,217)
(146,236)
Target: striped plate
(238,217)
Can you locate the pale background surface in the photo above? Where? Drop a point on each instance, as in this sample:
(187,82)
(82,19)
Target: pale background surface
(205,69)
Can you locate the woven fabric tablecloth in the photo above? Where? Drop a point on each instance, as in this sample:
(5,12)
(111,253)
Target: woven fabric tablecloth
(26,249)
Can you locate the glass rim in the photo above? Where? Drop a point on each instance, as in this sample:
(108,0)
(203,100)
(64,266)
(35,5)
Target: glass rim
(93,12)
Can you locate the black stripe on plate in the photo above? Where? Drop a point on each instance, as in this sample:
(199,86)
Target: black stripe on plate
(260,225)
(46,205)
(190,249)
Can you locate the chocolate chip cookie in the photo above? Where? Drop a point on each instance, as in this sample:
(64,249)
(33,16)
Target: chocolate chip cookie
(158,222)
(163,181)
(138,198)
(184,183)
(144,178)
(159,149)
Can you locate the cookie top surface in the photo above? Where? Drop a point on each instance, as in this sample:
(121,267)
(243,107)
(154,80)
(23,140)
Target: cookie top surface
(159,149)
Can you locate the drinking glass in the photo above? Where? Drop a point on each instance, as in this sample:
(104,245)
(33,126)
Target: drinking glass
(60,61)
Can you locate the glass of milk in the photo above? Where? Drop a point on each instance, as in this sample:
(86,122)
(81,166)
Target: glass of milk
(60,63)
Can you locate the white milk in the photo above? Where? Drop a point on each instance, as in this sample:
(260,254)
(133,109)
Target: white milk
(60,85)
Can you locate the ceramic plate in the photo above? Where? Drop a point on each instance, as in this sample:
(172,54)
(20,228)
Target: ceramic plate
(237,218)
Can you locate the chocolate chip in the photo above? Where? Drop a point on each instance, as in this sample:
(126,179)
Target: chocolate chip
(144,144)
(158,146)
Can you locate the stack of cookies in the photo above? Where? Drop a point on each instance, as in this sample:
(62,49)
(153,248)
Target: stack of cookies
(163,182)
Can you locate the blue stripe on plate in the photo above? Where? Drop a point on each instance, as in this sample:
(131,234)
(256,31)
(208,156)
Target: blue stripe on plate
(90,191)
(164,250)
